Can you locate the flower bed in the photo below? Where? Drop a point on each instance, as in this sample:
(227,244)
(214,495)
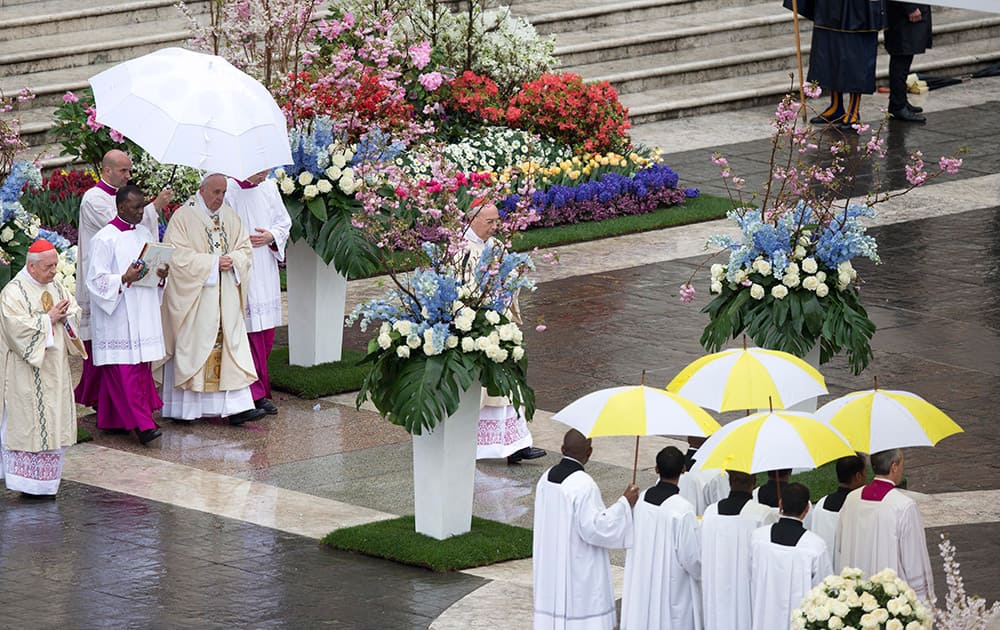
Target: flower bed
(849,600)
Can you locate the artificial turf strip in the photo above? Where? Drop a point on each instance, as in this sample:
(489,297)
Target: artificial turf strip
(489,542)
(324,379)
(83,435)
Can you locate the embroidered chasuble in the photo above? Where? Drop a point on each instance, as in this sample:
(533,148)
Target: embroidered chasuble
(204,329)
(36,386)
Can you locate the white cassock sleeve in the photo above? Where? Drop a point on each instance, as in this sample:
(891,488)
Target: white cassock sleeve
(281,224)
(689,545)
(611,527)
(915,565)
(103,282)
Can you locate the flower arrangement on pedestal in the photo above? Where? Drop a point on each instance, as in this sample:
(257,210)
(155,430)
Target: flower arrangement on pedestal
(448,324)
(789,282)
(848,600)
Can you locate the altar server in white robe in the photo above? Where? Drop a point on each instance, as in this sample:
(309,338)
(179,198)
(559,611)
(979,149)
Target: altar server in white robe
(127,331)
(97,208)
(663,567)
(880,528)
(503,430)
(701,487)
(209,367)
(725,554)
(573,531)
(36,390)
(259,205)
(786,560)
(825,515)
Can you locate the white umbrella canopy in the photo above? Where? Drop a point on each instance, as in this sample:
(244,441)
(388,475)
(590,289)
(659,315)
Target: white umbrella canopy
(194,109)
(636,410)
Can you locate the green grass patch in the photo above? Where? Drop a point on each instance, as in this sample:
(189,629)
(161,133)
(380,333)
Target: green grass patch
(701,208)
(489,542)
(324,379)
(83,435)
(821,481)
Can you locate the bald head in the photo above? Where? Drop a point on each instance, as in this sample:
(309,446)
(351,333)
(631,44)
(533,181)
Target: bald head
(213,191)
(116,168)
(577,446)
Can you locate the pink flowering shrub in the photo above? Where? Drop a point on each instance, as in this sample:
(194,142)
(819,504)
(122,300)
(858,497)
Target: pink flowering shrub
(10,129)
(81,136)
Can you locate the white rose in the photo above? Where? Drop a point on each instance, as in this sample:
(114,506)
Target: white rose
(740,276)
(463,323)
(333,173)
(287,186)
(310,191)
(716,287)
(348,154)
(493,317)
(324,186)
(506,332)
(430,350)
(403,352)
(384,341)
(846,267)
(762,267)
(413,341)
(347,185)
(792,268)
(338,160)
(756,291)
(779,291)
(799,253)
(790,280)
(905,610)
(914,625)
(280,173)
(839,608)
(468,344)
(822,290)
(451,341)
(843,279)
(305,178)
(499,355)
(809,265)
(717,271)
(348,172)
(822,613)
(403,326)
(6,235)
(835,623)
(821,276)
(482,343)
(518,353)
(384,329)
(810,283)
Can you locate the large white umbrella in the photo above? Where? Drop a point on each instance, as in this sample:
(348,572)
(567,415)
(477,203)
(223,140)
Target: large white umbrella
(194,109)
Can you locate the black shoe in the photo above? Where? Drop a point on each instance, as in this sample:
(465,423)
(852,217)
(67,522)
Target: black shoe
(246,416)
(847,127)
(914,108)
(822,120)
(266,406)
(147,436)
(179,420)
(37,497)
(528,452)
(907,115)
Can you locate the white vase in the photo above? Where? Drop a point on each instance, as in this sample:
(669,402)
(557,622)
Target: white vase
(444,469)
(317,293)
(809,404)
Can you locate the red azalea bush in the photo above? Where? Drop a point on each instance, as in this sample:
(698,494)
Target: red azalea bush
(475,95)
(587,116)
(57,202)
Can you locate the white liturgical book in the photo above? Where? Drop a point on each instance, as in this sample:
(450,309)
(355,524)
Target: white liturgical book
(155,255)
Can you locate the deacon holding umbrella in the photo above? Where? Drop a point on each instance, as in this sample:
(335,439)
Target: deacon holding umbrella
(38,319)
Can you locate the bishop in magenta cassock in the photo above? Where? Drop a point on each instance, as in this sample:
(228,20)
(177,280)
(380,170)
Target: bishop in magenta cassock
(209,368)
(573,531)
(726,528)
(259,206)
(97,208)
(880,528)
(127,332)
(38,319)
(663,567)
(786,561)
(823,518)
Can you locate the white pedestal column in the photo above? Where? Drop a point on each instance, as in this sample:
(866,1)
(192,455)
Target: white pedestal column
(316,296)
(809,404)
(444,469)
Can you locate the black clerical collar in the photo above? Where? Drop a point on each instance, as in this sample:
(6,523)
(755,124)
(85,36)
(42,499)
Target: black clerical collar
(787,531)
(566,467)
(660,492)
(733,504)
(835,500)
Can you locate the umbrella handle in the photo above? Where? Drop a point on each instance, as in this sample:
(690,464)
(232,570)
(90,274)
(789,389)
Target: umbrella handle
(635,464)
(173,172)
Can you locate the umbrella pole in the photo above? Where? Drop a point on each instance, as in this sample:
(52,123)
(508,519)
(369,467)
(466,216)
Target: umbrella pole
(635,464)
(173,172)
(798,56)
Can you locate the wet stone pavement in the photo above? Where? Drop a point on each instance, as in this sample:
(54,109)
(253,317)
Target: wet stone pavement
(99,559)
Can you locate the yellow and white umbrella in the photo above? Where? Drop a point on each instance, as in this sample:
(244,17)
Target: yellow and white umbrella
(636,410)
(773,441)
(878,420)
(748,378)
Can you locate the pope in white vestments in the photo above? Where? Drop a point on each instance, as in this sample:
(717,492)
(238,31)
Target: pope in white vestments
(209,366)
(127,331)
(663,567)
(503,430)
(573,531)
(97,208)
(726,529)
(37,319)
(259,205)
(786,561)
(880,528)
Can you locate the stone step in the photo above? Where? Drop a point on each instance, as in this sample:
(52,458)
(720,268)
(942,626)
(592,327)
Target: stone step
(758,89)
(955,29)
(49,86)
(583,15)
(51,17)
(97,46)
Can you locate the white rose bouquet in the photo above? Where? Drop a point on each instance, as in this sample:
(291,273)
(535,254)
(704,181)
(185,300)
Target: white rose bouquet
(850,602)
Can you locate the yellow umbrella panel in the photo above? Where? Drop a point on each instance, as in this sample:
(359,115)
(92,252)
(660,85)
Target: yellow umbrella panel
(748,378)
(878,420)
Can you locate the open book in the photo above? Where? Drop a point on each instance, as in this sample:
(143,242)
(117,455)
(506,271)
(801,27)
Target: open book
(155,255)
